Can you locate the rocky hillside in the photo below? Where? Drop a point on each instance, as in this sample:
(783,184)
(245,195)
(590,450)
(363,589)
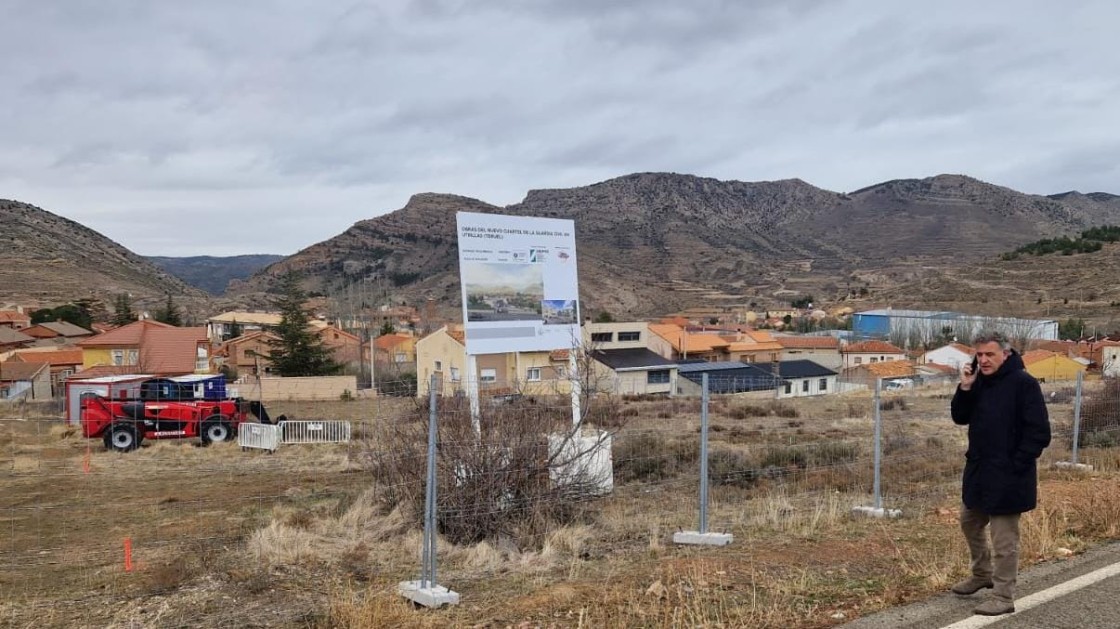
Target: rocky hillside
(652,242)
(213,274)
(49,259)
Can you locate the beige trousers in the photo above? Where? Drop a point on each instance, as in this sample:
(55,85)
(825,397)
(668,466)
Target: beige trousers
(1000,560)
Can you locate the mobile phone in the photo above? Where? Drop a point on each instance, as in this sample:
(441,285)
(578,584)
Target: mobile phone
(974,366)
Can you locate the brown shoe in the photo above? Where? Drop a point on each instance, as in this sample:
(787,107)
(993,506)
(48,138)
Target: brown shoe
(994,607)
(971,585)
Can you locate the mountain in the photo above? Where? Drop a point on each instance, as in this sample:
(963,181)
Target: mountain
(654,242)
(49,259)
(212,274)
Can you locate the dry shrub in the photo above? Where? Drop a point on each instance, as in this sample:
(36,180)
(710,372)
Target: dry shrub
(1100,416)
(492,485)
(894,403)
(649,457)
(773,408)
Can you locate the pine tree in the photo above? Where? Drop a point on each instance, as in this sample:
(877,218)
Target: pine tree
(298,351)
(386,328)
(122,310)
(235,330)
(170,313)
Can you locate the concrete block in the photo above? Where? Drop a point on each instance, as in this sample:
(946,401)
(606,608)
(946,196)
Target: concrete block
(433,596)
(873,512)
(1074,467)
(702,539)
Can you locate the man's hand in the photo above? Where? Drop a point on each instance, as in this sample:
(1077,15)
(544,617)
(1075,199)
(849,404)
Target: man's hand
(968,376)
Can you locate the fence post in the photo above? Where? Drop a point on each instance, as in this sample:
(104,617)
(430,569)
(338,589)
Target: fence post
(1077,417)
(425,591)
(876,509)
(702,536)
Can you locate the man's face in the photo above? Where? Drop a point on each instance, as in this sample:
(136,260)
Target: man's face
(990,356)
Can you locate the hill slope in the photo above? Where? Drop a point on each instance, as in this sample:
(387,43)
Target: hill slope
(49,259)
(652,242)
(213,274)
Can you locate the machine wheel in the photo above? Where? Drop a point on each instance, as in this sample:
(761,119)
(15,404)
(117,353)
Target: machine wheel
(123,437)
(216,429)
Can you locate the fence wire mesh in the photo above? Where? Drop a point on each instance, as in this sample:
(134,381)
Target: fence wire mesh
(521,487)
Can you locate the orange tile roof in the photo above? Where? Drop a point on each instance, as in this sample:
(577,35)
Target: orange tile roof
(12,316)
(808,342)
(54,357)
(458,335)
(871,347)
(11,371)
(558,355)
(891,368)
(1036,355)
(389,341)
(688,342)
(124,336)
(760,336)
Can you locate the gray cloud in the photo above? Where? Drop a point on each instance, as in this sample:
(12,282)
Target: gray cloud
(282,123)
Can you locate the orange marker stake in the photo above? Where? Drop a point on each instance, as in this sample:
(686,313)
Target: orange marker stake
(128,554)
(85,462)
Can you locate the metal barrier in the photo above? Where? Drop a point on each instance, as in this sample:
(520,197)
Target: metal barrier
(314,432)
(258,436)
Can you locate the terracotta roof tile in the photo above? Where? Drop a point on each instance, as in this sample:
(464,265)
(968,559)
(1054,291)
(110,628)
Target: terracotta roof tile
(871,347)
(53,357)
(808,342)
(1036,355)
(891,368)
(12,316)
(389,341)
(124,336)
(11,370)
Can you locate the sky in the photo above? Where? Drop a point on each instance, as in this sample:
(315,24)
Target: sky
(218,128)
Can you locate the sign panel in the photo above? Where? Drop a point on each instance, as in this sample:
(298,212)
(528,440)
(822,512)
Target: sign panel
(519,283)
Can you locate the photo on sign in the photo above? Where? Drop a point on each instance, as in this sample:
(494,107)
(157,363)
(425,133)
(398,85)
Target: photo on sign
(558,311)
(503,292)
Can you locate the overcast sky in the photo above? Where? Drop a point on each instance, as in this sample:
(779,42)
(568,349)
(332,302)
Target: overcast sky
(217,127)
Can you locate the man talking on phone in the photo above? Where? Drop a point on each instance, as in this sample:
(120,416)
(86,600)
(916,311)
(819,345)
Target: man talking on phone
(1008,428)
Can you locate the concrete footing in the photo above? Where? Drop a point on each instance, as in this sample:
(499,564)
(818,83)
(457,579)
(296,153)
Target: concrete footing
(702,539)
(1075,467)
(877,512)
(434,596)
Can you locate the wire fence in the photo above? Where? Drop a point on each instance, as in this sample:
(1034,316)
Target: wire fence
(520,482)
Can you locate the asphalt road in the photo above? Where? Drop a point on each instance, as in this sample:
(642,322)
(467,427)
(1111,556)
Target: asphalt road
(1042,602)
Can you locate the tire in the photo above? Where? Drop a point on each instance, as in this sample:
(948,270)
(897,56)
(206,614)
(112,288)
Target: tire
(123,437)
(216,429)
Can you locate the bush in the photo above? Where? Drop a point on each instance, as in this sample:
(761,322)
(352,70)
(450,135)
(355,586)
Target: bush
(397,384)
(1101,414)
(732,469)
(647,457)
(893,403)
(779,409)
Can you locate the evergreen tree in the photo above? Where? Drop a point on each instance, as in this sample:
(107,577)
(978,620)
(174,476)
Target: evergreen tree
(604,317)
(298,351)
(235,330)
(386,328)
(122,310)
(170,313)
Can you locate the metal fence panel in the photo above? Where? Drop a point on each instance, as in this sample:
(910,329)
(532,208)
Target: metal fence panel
(259,436)
(314,432)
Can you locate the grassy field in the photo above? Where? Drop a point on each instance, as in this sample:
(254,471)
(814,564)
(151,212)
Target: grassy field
(304,537)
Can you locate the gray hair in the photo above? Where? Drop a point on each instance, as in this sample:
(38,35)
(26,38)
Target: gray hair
(992,336)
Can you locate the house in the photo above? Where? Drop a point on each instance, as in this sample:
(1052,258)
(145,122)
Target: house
(726,377)
(396,349)
(1109,358)
(634,370)
(246,354)
(616,335)
(150,347)
(867,374)
(63,362)
(237,322)
(345,348)
(443,353)
(678,343)
(822,350)
(870,352)
(11,338)
(14,319)
(952,355)
(753,346)
(802,378)
(26,381)
(1051,366)
(58,330)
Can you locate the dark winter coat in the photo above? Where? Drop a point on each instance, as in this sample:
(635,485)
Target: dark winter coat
(1008,428)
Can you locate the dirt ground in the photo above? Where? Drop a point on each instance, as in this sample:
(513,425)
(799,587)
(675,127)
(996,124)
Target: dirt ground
(299,538)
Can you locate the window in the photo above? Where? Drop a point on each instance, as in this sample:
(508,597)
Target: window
(822,385)
(560,373)
(629,336)
(657,376)
(118,357)
(400,357)
(533,374)
(202,359)
(133,356)
(439,365)
(602,337)
(859,360)
(454,374)
(488,375)
(789,388)
(874,360)
(804,386)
